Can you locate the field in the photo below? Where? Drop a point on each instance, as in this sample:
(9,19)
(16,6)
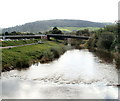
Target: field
(70,29)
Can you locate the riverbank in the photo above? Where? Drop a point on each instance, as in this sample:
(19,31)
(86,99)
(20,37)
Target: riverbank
(25,56)
(104,54)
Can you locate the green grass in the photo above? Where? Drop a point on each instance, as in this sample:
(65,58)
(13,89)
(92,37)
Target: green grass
(70,29)
(20,57)
(18,42)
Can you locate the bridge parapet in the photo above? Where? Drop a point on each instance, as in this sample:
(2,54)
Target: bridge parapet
(67,36)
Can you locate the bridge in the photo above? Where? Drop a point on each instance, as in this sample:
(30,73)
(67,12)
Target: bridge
(67,36)
(44,36)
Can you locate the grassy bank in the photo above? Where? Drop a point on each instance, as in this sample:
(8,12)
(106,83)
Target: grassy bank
(21,57)
(18,42)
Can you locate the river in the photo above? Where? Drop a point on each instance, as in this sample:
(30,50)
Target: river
(77,74)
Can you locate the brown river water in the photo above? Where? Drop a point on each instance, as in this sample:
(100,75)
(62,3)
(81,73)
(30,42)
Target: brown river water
(77,74)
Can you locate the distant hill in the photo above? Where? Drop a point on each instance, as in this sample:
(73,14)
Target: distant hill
(45,25)
(0,30)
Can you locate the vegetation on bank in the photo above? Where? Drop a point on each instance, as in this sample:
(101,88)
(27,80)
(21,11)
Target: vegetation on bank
(107,39)
(20,57)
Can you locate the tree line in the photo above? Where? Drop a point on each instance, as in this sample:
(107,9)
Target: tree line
(107,38)
(17,33)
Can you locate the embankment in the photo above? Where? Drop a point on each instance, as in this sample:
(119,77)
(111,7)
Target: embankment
(22,57)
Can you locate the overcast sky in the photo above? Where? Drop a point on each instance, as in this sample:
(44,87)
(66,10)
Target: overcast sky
(17,12)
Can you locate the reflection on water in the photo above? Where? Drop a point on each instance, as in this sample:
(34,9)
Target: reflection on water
(78,74)
(105,56)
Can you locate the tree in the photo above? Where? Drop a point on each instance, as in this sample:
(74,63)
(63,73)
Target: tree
(84,32)
(110,28)
(56,31)
(118,37)
(6,33)
(105,40)
(118,31)
(14,33)
(39,32)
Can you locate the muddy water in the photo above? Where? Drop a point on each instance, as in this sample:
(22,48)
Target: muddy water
(77,74)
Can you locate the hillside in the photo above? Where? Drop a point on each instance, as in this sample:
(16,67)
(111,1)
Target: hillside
(0,30)
(46,25)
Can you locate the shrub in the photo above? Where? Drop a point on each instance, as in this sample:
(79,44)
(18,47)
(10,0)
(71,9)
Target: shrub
(55,52)
(22,63)
(105,40)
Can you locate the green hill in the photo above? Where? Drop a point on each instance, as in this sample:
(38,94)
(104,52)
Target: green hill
(45,25)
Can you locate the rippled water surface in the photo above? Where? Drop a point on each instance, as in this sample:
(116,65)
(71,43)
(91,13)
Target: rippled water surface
(77,74)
